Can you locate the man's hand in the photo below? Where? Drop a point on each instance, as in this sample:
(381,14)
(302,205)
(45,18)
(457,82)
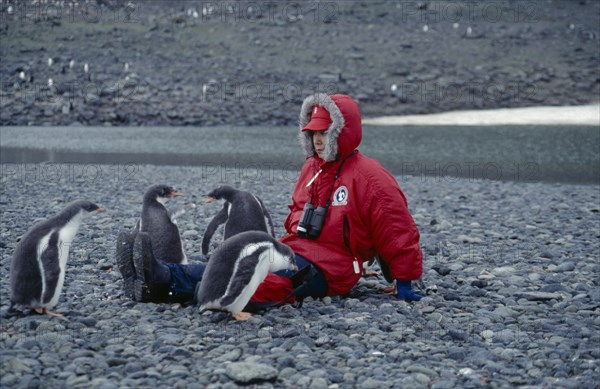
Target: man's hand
(406,292)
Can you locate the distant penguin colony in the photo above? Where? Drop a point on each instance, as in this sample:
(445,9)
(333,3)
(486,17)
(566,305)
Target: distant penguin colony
(160,225)
(236,269)
(242,211)
(39,262)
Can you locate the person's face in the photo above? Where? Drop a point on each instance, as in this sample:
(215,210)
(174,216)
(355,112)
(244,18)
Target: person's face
(318,138)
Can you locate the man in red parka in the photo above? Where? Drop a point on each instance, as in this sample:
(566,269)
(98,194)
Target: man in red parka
(346,208)
(366,212)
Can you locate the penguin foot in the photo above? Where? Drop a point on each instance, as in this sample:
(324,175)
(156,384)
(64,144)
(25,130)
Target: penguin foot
(242,316)
(45,311)
(53,314)
(390,289)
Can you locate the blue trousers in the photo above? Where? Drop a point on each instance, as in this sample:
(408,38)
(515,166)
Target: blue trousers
(185,277)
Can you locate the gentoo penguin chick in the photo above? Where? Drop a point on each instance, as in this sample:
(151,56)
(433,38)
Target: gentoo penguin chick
(237,267)
(160,225)
(241,212)
(38,266)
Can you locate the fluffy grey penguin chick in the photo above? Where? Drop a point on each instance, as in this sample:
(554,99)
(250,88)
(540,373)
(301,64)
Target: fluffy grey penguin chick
(39,262)
(242,211)
(236,269)
(161,225)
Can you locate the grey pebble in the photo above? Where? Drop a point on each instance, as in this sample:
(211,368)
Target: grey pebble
(318,383)
(133,367)
(539,296)
(245,372)
(230,356)
(287,372)
(444,384)
(479,283)
(88,321)
(452,297)
(442,270)
(565,267)
(116,361)
(372,383)
(423,370)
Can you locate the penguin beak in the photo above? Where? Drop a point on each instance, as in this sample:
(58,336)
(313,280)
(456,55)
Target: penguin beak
(100,210)
(174,194)
(210,200)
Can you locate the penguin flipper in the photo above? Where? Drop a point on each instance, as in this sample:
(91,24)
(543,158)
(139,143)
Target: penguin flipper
(244,280)
(385,269)
(138,227)
(268,220)
(219,219)
(300,275)
(50,265)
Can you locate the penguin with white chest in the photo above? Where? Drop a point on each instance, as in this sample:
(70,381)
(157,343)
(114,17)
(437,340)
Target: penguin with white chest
(236,269)
(161,225)
(241,212)
(39,262)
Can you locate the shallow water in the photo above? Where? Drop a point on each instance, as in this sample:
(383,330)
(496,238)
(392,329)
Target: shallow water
(568,154)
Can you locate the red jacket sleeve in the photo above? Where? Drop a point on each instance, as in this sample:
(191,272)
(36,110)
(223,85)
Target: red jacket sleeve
(394,232)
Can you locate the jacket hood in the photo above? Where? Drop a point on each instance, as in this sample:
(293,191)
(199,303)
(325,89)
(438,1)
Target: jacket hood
(345,132)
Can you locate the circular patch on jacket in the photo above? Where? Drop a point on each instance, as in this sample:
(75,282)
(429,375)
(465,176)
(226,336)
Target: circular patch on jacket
(340,197)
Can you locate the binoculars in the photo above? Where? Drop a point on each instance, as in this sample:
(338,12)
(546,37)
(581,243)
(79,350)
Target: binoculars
(311,221)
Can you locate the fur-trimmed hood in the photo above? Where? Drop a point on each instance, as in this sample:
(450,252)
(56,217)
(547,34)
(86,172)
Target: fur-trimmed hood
(345,132)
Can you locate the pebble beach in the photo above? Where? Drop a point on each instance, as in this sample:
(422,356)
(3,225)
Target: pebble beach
(515,266)
(102,99)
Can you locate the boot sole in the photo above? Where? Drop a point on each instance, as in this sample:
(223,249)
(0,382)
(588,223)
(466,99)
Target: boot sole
(139,286)
(124,257)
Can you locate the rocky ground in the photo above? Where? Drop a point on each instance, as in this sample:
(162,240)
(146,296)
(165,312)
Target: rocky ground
(515,264)
(517,302)
(112,62)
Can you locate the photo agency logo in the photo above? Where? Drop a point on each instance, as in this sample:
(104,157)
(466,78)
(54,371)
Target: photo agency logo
(469,11)
(478,251)
(67,173)
(470,170)
(430,91)
(280,12)
(237,331)
(267,172)
(460,332)
(35,11)
(49,333)
(214,91)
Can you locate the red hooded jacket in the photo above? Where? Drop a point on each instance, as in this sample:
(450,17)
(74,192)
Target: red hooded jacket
(366,194)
